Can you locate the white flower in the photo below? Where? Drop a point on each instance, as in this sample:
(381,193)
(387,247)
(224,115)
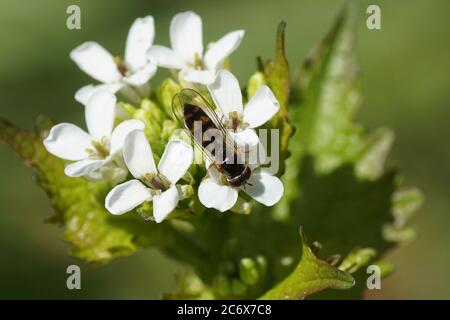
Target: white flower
(240,120)
(186,54)
(214,192)
(99,148)
(135,70)
(151,183)
(227,96)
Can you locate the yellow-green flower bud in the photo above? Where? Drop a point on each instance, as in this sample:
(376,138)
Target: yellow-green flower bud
(153,117)
(256,81)
(248,271)
(193,285)
(222,285)
(168,128)
(185,191)
(165,93)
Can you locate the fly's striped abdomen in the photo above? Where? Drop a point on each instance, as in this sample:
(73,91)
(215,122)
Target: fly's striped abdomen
(194,113)
(209,135)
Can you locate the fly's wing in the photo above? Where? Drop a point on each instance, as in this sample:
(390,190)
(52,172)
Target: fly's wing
(198,118)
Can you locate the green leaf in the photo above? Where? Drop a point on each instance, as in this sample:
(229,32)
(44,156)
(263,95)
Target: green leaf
(336,183)
(95,235)
(310,276)
(370,164)
(405,203)
(329,91)
(356,259)
(276,72)
(328,94)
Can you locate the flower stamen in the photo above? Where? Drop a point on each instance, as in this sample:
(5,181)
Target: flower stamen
(156,182)
(236,120)
(198,62)
(101,147)
(121,66)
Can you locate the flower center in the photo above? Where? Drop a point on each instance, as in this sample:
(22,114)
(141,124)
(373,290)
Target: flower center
(156,182)
(234,121)
(198,62)
(121,66)
(100,150)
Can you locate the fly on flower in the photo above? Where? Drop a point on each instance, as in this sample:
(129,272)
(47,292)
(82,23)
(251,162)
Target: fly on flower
(200,121)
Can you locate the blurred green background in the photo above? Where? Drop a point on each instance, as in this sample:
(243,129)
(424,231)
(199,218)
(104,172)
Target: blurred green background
(405,70)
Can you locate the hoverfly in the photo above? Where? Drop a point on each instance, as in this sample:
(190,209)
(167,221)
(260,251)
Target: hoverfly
(191,110)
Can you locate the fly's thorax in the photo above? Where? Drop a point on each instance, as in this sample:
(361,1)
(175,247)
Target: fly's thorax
(156,181)
(196,118)
(200,125)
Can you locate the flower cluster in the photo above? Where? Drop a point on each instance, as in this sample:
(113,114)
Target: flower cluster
(117,146)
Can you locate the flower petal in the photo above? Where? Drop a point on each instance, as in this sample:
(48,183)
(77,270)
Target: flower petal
(215,195)
(100,113)
(186,36)
(113,169)
(131,94)
(220,50)
(85,93)
(127,196)
(213,173)
(175,161)
(140,39)
(143,89)
(226,92)
(142,75)
(204,77)
(264,188)
(165,57)
(246,137)
(261,107)
(248,142)
(165,203)
(138,154)
(67,141)
(83,167)
(121,131)
(93,59)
